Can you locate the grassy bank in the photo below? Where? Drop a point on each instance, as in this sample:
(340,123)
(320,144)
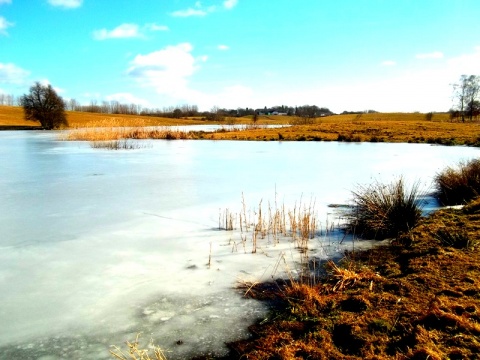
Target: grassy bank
(390,302)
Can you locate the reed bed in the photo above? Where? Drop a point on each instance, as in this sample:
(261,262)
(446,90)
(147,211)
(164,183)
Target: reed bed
(299,223)
(121,133)
(271,224)
(122,144)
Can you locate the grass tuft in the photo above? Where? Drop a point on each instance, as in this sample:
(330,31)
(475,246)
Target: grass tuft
(456,239)
(460,184)
(135,353)
(385,211)
(122,144)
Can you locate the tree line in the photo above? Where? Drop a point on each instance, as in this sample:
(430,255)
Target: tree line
(8,100)
(42,103)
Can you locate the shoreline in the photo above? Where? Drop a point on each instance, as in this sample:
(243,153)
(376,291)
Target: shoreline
(414,299)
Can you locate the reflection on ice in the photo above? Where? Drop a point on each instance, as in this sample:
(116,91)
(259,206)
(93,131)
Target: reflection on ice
(97,246)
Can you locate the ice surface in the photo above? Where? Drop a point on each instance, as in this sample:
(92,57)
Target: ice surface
(98,245)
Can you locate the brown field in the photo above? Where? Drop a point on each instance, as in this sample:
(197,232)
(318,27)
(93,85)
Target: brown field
(12,116)
(381,127)
(391,127)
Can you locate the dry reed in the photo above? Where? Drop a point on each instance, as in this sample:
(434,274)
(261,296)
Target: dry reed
(135,353)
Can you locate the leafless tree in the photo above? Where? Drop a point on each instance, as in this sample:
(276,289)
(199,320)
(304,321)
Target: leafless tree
(43,104)
(466,92)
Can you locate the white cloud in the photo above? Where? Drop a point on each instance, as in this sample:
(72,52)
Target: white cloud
(432,55)
(229,4)
(166,70)
(464,64)
(223,47)
(127,31)
(389,63)
(70,4)
(197,11)
(120,32)
(155,27)
(427,88)
(5,2)
(189,12)
(4,25)
(127,98)
(12,74)
(59,90)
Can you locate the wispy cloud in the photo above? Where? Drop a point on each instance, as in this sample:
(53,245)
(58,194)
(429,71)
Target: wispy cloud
(223,47)
(155,27)
(229,4)
(199,10)
(4,25)
(12,74)
(123,31)
(127,31)
(389,63)
(432,55)
(189,12)
(69,4)
(5,2)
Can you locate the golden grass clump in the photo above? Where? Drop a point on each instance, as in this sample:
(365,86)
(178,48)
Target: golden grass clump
(460,184)
(385,211)
(345,278)
(135,353)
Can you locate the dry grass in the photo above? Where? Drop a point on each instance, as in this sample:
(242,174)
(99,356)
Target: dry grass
(390,302)
(122,144)
(460,184)
(268,224)
(385,211)
(411,128)
(12,117)
(382,127)
(135,353)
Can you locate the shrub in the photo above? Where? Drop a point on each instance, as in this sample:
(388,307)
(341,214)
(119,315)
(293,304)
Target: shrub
(454,186)
(385,211)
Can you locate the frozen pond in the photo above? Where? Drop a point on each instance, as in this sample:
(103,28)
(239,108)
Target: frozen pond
(99,245)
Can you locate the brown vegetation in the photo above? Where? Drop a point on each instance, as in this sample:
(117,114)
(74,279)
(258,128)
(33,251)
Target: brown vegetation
(460,184)
(390,302)
(437,128)
(413,128)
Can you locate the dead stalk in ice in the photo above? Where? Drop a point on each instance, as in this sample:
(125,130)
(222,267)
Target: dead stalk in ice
(134,353)
(210,256)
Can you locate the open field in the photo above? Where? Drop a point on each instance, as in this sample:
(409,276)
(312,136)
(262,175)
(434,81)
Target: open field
(370,127)
(12,116)
(387,127)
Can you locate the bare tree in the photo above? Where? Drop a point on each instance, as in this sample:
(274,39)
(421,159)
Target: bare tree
(44,105)
(472,94)
(466,92)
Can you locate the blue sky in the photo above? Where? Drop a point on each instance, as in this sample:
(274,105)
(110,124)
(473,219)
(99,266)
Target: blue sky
(386,55)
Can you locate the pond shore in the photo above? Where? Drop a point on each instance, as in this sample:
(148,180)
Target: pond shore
(418,298)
